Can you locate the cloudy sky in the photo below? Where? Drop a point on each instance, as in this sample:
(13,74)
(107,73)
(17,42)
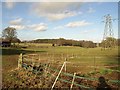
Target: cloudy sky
(69,20)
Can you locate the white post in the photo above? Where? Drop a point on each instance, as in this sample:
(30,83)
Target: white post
(72,81)
(58,76)
(94,64)
(20,61)
(65,64)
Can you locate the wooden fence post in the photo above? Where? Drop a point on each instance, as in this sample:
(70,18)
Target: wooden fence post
(72,81)
(20,61)
(94,64)
(65,63)
(58,76)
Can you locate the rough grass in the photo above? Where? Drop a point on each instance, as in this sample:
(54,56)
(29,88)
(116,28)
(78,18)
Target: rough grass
(77,56)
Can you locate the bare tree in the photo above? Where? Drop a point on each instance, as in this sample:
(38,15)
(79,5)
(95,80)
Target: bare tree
(9,33)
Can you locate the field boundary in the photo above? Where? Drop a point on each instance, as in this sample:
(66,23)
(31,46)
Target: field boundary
(26,66)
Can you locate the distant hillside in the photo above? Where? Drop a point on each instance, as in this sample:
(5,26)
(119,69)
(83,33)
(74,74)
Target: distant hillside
(65,42)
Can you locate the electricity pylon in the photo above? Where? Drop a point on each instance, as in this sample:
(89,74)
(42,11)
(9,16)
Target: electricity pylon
(108,31)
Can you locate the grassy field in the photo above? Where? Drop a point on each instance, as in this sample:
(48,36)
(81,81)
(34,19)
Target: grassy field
(80,60)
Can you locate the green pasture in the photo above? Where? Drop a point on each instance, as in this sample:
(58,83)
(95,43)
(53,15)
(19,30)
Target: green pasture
(80,60)
(75,55)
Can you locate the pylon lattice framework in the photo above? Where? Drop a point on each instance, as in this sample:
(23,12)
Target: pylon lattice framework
(108,31)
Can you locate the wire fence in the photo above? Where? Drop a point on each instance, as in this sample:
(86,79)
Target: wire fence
(23,59)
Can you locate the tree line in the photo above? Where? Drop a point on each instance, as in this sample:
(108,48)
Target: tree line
(10,34)
(65,42)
